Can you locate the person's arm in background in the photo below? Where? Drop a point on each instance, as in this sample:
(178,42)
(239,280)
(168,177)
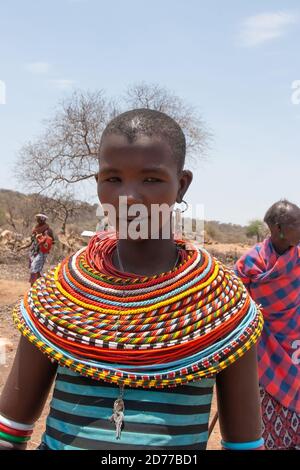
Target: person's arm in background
(24,394)
(51,234)
(239,403)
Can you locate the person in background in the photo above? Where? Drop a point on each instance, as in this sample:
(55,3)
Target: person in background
(271,273)
(41,242)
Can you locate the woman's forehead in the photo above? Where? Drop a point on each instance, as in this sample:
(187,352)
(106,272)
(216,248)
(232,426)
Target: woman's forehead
(118,149)
(114,140)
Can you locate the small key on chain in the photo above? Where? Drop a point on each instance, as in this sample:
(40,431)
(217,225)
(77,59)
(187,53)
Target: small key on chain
(118,414)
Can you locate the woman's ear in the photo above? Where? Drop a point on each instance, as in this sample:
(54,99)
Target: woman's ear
(277,229)
(281,235)
(185,180)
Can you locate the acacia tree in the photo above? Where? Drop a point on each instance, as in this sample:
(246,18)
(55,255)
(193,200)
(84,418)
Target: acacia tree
(256,228)
(66,153)
(62,208)
(153,96)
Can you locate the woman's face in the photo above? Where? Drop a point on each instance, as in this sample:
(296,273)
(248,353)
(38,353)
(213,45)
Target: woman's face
(145,172)
(291,232)
(286,234)
(40,220)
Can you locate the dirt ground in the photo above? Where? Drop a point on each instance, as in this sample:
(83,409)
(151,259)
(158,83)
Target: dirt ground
(13,284)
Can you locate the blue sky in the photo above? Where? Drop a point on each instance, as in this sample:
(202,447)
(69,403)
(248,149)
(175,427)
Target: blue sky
(235,61)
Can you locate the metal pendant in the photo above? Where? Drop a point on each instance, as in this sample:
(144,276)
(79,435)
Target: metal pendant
(118,414)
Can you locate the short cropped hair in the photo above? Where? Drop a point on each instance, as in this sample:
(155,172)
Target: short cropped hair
(151,123)
(282,212)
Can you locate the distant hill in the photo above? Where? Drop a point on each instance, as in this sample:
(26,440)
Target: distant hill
(226,233)
(17,212)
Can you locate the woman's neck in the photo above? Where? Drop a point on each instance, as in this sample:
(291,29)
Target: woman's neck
(280,247)
(145,257)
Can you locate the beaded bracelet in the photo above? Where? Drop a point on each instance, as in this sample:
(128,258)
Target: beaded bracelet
(13,432)
(251,445)
(5,445)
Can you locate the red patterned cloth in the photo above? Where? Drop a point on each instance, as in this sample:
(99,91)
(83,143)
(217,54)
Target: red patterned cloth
(281,426)
(274,282)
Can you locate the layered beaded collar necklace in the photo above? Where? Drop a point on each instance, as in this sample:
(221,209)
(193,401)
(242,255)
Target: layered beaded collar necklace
(158,331)
(139,331)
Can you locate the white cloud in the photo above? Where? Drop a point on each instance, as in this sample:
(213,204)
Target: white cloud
(265,27)
(39,68)
(62,84)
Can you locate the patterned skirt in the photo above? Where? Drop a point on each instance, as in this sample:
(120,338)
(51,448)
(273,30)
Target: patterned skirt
(36,263)
(281,426)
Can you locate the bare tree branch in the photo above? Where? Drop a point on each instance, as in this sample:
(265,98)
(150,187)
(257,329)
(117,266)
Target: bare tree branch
(67,151)
(62,208)
(142,95)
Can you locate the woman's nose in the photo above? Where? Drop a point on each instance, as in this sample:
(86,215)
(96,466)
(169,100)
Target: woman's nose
(132,204)
(134,199)
(132,195)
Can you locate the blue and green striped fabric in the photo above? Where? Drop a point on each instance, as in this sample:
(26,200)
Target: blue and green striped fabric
(170,418)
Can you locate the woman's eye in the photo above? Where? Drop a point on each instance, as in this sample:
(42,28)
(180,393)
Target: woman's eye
(152,180)
(113,179)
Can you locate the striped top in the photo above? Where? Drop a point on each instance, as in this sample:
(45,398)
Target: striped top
(164,419)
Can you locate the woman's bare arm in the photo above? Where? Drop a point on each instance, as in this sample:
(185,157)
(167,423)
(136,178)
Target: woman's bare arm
(28,384)
(239,400)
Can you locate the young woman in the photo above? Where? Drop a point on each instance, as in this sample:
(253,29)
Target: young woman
(137,328)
